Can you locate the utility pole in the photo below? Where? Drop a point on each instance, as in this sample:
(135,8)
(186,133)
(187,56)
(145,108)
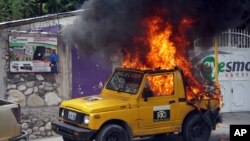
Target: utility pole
(216,59)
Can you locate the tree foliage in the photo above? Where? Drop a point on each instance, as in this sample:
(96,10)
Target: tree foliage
(19,9)
(58,6)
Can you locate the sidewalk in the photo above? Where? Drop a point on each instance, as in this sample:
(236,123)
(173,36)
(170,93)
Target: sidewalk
(220,134)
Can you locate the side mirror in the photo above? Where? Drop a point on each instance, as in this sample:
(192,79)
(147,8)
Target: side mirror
(146,94)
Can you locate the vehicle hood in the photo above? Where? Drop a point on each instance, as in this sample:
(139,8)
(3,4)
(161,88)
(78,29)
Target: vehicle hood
(97,103)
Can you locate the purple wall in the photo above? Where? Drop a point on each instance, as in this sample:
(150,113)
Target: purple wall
(87,74)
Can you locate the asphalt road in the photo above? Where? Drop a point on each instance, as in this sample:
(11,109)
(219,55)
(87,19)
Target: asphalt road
(220,134)
(214,137)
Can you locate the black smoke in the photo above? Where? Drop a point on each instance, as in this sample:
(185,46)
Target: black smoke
(109,26)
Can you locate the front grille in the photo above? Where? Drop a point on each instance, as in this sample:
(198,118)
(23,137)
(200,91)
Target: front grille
(78,119)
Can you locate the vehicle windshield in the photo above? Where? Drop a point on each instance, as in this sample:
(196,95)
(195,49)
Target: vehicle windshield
(125,81)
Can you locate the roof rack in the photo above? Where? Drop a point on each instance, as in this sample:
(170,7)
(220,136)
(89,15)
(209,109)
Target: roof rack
(152,71)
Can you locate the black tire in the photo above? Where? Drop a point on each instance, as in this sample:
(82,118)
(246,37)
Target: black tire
(160,135)
(67,139)
(195,129)
(112,132)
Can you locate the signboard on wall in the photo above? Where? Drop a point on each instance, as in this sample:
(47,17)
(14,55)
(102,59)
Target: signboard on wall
(33,53)
(233,64)
(233,72)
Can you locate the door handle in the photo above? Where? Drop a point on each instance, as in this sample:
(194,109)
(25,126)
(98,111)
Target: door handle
(171,101)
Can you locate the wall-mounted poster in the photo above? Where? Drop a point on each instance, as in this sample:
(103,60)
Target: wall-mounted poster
(33,54)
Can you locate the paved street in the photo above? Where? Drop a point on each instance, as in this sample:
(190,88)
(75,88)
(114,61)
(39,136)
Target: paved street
(221,134)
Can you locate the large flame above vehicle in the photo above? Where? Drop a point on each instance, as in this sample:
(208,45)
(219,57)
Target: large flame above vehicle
(166,49)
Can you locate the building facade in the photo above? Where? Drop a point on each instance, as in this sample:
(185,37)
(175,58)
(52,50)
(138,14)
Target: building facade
(233,67)
(38,92)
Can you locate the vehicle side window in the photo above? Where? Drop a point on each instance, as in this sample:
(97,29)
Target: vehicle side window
(160,84)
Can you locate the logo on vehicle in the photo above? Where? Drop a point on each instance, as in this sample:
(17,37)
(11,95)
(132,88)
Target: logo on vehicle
(161,113)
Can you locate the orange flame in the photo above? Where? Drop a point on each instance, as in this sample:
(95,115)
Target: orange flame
(162,85)
(166,50)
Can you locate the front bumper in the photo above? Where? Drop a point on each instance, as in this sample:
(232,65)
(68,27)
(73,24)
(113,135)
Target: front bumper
(23,136)
(72,132)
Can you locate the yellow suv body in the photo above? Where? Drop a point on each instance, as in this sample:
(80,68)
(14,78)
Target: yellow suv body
(125,109)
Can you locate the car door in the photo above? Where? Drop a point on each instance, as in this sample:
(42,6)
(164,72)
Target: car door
(157,113)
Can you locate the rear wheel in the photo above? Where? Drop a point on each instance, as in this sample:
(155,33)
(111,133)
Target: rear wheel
(112,132)
(195,129)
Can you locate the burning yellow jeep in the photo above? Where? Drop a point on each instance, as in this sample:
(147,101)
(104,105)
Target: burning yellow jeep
(137,103)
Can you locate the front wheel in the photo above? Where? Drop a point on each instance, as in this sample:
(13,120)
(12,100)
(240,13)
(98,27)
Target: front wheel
(66,139)
(195,129)
(112,132)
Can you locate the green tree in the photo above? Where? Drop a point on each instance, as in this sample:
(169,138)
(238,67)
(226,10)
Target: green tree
(19,9)
(58,6)
(30,8)
(10,10)
(4,10)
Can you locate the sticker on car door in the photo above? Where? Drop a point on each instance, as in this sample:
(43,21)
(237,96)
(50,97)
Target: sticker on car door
(161,113)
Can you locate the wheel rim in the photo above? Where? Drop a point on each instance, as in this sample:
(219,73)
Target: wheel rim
(113,136)
(198,131)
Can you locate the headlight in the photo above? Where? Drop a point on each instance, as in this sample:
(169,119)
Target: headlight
(62,113)
(86,119)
